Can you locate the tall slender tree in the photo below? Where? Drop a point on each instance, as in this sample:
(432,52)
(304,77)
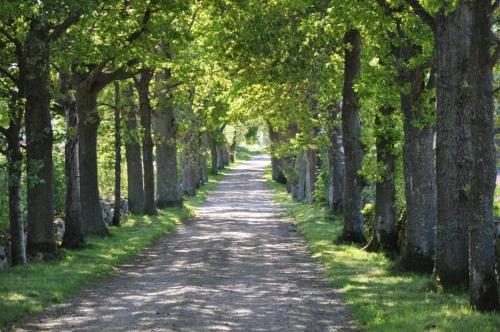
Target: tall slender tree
(351,127)
(118,155)
(73,233)
(145,112)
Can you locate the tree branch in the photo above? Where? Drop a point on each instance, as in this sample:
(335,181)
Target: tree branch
(389,11)
(64,25)
(145,19)
(121,73)
(111,106)
(422,13)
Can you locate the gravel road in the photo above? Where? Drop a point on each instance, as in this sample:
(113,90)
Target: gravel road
(239,266)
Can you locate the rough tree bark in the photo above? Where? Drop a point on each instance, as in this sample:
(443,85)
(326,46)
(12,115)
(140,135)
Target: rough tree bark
(418,247)
(203,168)
(385,233)
(336,167)
(203,158)
(88,124)
(165,128)
(212,144)
(351,129)
(39,139)
(189,163)
(145,110)
(300,168)
(73,235)
(311,161)
(220,156)
(465,156)
(14,166)
(118,156)
(479,104)
(225,155)
(276,162)
(133,155)
(454,151)
(232,149)
(15,161)
(420,176)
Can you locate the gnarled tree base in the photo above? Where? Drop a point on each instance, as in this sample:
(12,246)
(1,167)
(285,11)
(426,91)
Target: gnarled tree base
(42,251)
(415,262)
(73,242)
(351,237)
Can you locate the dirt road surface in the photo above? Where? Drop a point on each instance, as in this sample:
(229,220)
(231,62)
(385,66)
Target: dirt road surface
(239,266)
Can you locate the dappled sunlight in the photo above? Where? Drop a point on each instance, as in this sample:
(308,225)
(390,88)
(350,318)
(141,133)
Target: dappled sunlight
(239,263)
(382,300)
(48,283)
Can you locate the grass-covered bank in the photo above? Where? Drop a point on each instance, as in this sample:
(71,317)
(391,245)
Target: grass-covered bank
(29,289)
(245,152)
(381,299)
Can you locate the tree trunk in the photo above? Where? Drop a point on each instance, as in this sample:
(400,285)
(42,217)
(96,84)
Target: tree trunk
(419,232)
(196,165)
(310,175)
(133,156)
(351,129)
(165,127)
(420,190)
(232,149)
(145,111)
(220,156)
(212,144)
(15,161)
(39,141)
(276,172)
(73,235)
(203,158)
(336,166)
(300,166)
(88,124)
(118,157)
(189,164)
(385,199)
(276,162)
(482,277)
(203,169)
(292,180)
(454,151)
(225,155)
(188,182)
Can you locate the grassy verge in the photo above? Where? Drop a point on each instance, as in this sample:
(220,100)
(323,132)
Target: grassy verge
(381,299)
(245,152)
(29,289)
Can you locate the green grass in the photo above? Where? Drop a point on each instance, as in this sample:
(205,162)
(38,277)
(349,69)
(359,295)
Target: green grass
(245,152)
(29,289)
(380,299)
